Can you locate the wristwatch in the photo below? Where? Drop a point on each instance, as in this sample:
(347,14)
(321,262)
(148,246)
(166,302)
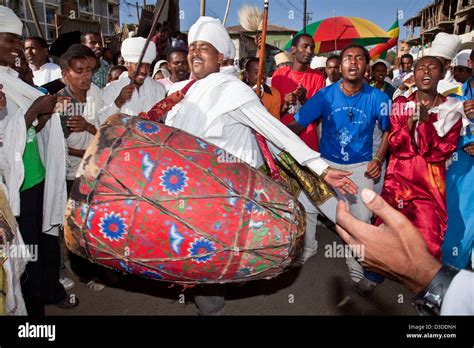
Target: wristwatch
(429,300)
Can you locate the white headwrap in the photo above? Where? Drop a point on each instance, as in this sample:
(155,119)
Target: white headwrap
(231,53)
(445,45)
(132,48)
(318,62)
(210,30)
(9,22)
(461,58)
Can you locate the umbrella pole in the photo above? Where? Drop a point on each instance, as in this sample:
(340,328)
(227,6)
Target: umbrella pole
(335,29)
(150,34)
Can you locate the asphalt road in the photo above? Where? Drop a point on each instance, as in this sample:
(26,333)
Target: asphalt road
(321,287)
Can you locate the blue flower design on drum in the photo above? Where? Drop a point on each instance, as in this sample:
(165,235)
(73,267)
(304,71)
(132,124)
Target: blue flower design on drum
(201,246)
(176,239)
(173,180)
(113,227)
(148,166)
(147,127)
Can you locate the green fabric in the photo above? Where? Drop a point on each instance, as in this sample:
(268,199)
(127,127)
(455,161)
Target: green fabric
(34,169)
(100,76)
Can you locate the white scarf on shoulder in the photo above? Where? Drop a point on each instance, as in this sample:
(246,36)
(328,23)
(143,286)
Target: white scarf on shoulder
(51,147)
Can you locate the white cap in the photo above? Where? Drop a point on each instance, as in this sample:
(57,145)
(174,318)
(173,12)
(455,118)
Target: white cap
(210,30)
(461,58)
(132,49)
(9,21)
(387,64)
(445,45)
(283,57)
(318,62)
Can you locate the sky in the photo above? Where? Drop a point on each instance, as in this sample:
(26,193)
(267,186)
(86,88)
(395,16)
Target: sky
(289,13)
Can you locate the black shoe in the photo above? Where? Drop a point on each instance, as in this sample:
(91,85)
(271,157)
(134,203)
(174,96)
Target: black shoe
(71,301)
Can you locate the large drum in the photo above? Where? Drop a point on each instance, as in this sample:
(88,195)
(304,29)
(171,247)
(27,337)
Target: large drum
(158,202)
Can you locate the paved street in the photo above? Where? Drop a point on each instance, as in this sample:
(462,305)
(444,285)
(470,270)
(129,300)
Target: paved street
(321,287)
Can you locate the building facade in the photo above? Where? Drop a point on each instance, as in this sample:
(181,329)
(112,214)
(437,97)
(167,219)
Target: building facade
(105,12)
(448,16)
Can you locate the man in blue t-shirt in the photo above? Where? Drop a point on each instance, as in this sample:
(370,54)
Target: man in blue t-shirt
(349,110)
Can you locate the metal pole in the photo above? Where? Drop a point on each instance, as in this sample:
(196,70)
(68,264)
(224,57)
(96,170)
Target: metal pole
(305,16)
(138,13)
(35,19)
(202,11)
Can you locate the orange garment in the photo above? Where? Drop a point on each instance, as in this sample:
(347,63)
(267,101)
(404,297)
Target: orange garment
(272,101)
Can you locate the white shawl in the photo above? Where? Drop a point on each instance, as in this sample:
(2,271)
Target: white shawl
(81,140)
(150,93)
(51,147)
(206,100)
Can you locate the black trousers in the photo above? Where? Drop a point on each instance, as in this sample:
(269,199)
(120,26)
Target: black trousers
(40,281)
(85,269)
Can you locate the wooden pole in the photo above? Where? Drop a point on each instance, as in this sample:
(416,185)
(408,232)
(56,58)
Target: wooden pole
(35,19)
(156,16)
(261,61)
(56,24)
(202,10)
(101,34)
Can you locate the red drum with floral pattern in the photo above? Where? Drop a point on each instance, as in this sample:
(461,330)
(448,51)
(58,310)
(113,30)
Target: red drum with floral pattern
(158,202)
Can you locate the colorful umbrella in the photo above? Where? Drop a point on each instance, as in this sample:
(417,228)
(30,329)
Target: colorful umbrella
(380,51)
(335,33)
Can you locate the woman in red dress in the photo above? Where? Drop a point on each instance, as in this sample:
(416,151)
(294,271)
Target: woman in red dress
(415,182)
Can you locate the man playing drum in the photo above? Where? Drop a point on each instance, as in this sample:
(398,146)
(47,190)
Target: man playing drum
(224,111)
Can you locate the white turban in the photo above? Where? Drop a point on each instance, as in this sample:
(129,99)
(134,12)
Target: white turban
(445,45)
(210,30)
(461,58)
(318,62)
(132,48)
(9,22)
(231,53)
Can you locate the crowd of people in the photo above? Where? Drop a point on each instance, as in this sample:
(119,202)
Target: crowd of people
(406,134)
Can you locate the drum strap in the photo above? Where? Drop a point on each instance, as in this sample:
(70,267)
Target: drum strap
(162,107)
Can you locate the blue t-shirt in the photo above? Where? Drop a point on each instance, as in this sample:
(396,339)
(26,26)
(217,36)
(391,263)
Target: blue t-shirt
(343,141)
(467,94)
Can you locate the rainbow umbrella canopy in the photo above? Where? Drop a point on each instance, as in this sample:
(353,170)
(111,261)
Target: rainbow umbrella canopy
(335,33)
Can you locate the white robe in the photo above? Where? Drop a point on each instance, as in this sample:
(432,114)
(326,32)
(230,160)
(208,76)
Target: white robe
(46,73)
(226,112)
(13,265)
(81,140)
(150,93)
(51,145)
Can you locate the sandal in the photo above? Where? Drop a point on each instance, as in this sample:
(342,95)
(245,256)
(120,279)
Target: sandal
(95,285)
(69,302)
